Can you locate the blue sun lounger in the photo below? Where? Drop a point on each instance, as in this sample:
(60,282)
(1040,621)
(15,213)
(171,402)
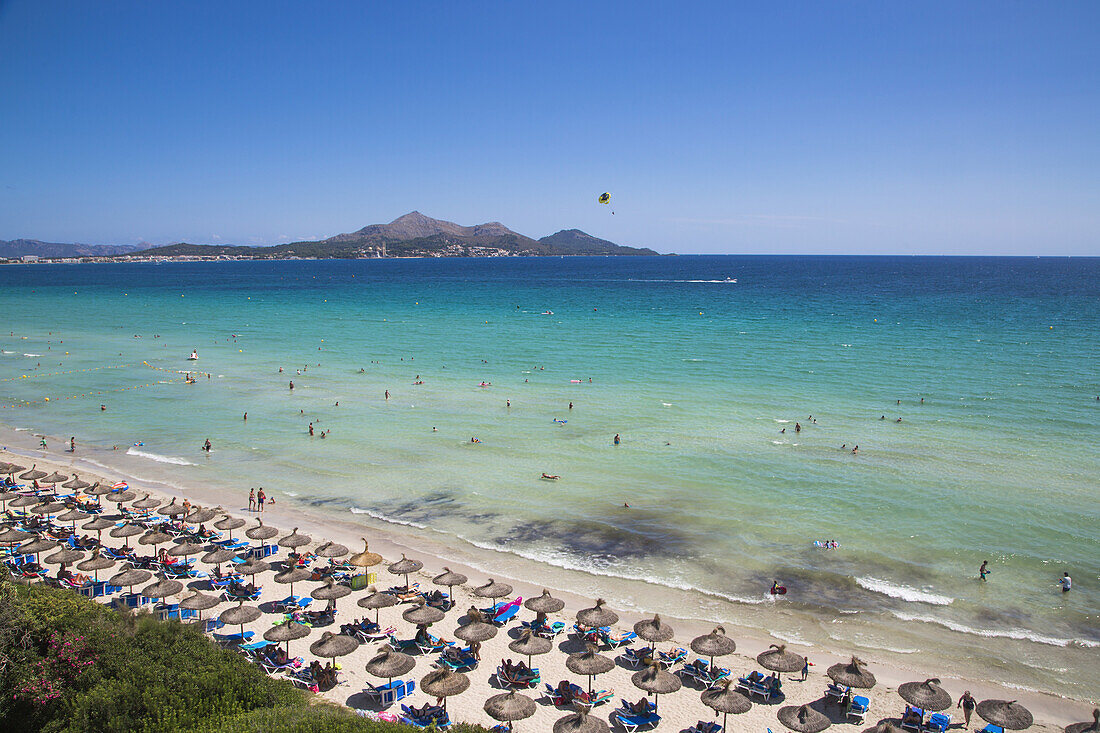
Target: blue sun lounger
(632,722)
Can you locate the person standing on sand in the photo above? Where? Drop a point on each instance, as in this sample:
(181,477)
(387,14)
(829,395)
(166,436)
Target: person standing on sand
(260,498)
(806,669)
(42,443)
(252,500)
(967,703)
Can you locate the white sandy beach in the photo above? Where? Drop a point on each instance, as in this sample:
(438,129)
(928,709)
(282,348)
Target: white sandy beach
(678,710)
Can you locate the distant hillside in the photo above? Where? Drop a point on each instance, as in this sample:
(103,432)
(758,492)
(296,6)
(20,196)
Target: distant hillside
(416,235)
(585,244)
(21,247)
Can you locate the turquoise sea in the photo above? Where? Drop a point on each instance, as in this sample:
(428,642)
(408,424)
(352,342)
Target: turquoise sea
(698,374)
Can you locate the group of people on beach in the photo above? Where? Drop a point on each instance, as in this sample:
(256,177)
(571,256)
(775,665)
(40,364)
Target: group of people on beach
(256,500)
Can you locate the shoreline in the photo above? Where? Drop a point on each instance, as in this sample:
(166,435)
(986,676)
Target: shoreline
(391,542)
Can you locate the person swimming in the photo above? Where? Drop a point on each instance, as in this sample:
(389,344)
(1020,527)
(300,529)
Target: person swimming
(551,477)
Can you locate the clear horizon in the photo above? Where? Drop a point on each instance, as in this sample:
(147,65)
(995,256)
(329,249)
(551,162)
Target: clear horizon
(856,129)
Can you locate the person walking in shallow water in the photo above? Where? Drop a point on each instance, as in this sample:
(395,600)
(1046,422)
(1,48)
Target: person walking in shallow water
(984,569)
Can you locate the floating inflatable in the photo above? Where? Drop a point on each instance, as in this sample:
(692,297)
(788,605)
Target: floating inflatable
(560,422)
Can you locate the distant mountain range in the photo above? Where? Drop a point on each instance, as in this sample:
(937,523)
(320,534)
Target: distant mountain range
(21,247)
(412,235)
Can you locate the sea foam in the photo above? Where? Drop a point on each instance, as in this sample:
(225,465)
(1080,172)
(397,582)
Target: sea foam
(158,458)
(904,592)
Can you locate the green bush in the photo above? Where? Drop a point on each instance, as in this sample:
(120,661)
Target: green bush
(69,664)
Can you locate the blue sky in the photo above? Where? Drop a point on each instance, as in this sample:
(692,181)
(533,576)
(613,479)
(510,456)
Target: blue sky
(846,127)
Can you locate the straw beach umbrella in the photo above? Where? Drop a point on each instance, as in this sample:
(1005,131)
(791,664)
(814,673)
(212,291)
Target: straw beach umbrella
(722,699)
(201,516)
(1086,727)
(366,558)
(76,484)
(54,478)
(240,615)
(261,533)
(597,616)
(35,547)
(199,602)
(147,502)
(154,537)
(883,727)
(332,645)
(714,644)
(655,680)
(389,664)
(73,516)
(228,524)
(292,576)
(543,605)
(330,591)
(253,567)
(492,589)
(851,674)
(477,629)
(1008,714)
(450,579)
(172,509)
(444,682)
(654,630)
(25,500)
(803,719)
(99,490)
(121,497)
(404,566)
(97,525)
(510,707)
(95,563)
(927,695)
(13,536)
(331,549)
(589,663)
(130,577)
(185,548)
(162,588)
(294,540)
(422,614)
(6,496)
(34,474)
(778,659)
(580,722)
(48,508)
(64,556)
(529,644)
(218,556)
(377,600)
(127,530)
(287,632)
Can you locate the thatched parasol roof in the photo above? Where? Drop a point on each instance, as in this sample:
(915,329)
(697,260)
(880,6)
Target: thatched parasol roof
(377,599)
(422,614)
(1005,713)
(927,695)
(597,615)
(444,682)
(260,532)
(331,549)
(545,603)
(654,629)
(581,722)
(333,645)
(778,659)
(366,558)
(294,539)
(510,706)
(851,674)
(803,719)
(389,663)
(1086,727)
(492,589)
(450,578)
